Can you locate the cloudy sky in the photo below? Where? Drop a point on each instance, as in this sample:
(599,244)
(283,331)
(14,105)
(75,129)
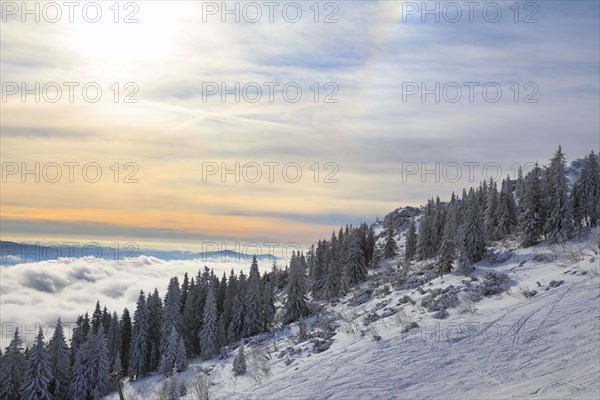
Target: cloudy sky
(363,130)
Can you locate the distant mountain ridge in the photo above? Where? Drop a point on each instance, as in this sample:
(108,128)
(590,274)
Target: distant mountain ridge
(12,253)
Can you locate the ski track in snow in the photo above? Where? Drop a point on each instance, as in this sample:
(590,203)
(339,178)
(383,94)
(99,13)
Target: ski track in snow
(543,347)
(539,356)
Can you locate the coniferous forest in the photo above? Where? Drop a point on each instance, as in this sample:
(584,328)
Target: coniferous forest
(208,316)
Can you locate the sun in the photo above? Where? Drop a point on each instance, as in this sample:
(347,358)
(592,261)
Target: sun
(129,35)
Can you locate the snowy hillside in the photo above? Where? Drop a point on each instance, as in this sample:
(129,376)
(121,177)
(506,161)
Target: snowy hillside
(386,343)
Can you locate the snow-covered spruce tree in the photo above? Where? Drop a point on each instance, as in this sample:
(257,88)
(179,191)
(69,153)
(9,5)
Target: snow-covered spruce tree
(465,264)
(586,193)
(507,210)
(234,330)
(126,330)
(449,240)
(239,362)
(185,290)
(208,332)
(190,324)
(37,372)
(520,190)
(79,387)
(97,318)
(253,316)
(98,365)
(181,361)
(295,305)
(79,336)
(155,332)
(106,318)
(439,221)
(139,337)
(173,356)
(427,236)
(222,293)
(356,268)
(532,219)
(317,277)
(473,244)
(268,303)
(559,224)
(11,373)
(367,242)
(344,284)
(334,267)
(390,249)
(410,250)
(60,364)
(172,309)
(114,344)
(230,294)
(491,210)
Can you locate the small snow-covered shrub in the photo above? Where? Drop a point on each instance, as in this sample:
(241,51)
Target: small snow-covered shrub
(439,299)
(374,334)
(467,303)
(406,299)
(350,323)
(380,305)
(401,318)
(325,326)
(321,345)
(494,283)
(499,257)
(526,292)
(555,284)
(200,386)
(258,363)
(361,297)
(382,291)
(415,281)
(541,258)
(370,318)
(171,389)
(441,314)
(409,326)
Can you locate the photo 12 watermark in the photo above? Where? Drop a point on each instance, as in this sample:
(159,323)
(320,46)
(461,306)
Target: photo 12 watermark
(28,330)
(454,172)
(54,252)
(269,172)
(53,12)
(69,172)
(453,12)
(253,12)
(69,92)
(213,251)
(269,92)
(471,92)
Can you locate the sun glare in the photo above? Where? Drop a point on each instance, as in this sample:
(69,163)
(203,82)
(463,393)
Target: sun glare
(133,34)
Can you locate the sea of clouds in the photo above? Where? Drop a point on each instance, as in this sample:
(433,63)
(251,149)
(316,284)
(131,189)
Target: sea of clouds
(39,293)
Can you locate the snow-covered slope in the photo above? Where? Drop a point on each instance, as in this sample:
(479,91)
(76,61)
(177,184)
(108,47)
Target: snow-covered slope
(505,346)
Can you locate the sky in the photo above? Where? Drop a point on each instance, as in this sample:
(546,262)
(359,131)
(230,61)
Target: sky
(169,154)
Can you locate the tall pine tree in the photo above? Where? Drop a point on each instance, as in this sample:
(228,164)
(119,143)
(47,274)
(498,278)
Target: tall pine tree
(38,372)
(60,364)
(533,217)
(11,373)
(295,306)
(559,224)
(139,337)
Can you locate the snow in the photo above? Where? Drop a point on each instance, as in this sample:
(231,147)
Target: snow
(545,346)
